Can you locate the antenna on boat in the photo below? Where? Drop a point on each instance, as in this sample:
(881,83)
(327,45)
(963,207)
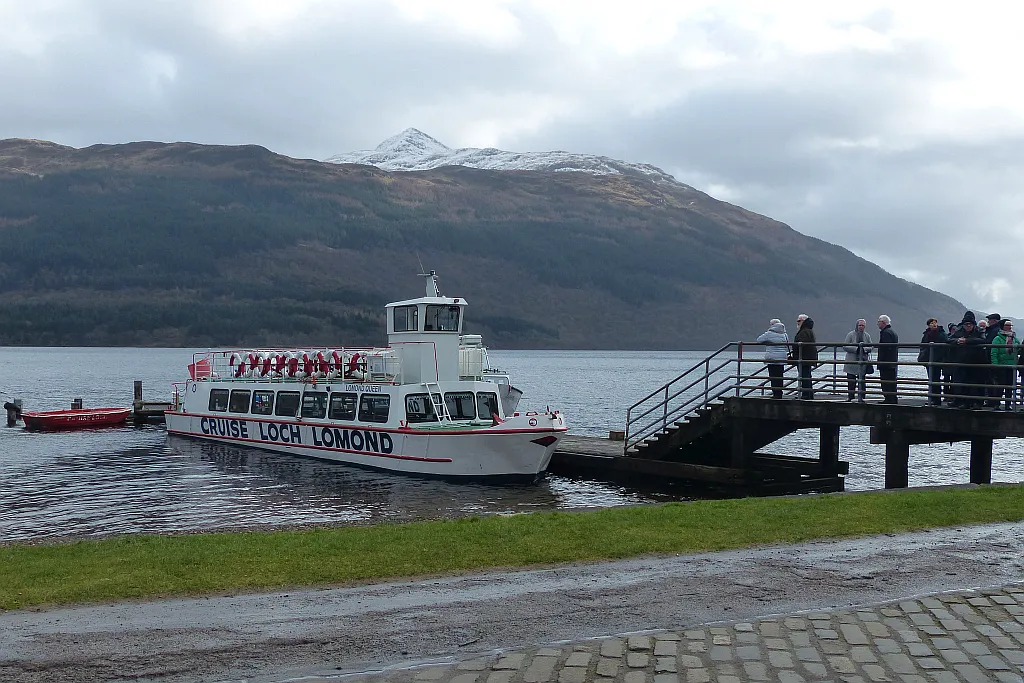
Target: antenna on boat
(432,289)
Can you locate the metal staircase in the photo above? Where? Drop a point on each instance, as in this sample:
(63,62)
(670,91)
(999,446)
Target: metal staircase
(689,407)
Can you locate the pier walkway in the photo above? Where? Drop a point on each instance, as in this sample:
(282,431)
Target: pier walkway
(714,423)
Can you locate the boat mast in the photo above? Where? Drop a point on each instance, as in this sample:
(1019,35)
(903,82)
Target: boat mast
(432,289)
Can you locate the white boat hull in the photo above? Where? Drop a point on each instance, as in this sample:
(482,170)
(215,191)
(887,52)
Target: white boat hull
(518,449)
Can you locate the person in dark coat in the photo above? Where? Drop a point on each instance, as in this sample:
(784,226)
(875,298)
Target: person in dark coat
(967,348)
(933,354)
(805,353)
(888,356)
(991,331)
(947,369)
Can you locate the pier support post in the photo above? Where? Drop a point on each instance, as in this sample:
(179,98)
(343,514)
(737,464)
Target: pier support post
(828,448)
(897,460)
(138,391)
(981,461)
(737,445)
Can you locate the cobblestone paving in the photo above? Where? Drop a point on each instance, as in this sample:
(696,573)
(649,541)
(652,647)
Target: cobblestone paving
(969,636)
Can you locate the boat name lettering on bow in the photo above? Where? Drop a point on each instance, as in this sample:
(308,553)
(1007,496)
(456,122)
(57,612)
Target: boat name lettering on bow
(285,433)
(224,427)
(353,439)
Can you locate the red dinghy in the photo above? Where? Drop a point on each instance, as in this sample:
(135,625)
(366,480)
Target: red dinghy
(79,418)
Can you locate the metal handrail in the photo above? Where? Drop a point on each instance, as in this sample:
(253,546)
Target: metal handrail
(636,437)
(672,403)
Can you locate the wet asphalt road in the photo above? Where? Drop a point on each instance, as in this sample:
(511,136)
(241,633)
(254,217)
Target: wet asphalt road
(306,632)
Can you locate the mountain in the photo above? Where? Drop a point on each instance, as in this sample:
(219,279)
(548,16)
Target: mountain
(414,150)
(183,244)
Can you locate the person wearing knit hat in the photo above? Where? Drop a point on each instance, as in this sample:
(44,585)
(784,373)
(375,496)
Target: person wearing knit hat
(990,329)
(967,350)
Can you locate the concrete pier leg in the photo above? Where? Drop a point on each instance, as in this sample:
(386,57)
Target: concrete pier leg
(828,447)
(897,461)
(981,461)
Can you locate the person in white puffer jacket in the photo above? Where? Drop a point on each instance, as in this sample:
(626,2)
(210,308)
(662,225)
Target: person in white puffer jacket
(776,351)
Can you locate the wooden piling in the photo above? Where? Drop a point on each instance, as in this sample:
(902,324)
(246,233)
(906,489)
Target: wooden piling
(981,461)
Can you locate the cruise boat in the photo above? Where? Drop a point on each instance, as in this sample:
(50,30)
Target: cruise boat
(426,404)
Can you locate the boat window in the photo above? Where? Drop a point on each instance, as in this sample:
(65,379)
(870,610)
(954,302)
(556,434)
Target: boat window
(287,403)
(262,402)
(406,318)
(441,318)
(374,407)
(219,400)
(460,405)
(418,408)
(486,404)
(314,404)
(239,402)
(343,406)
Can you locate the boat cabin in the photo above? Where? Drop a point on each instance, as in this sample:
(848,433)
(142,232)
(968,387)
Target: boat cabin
(426,334)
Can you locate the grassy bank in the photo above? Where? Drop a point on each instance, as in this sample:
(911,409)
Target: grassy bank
(148,566)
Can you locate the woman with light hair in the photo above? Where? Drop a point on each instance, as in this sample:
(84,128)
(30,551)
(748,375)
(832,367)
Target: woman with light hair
(858,356)
(776,351)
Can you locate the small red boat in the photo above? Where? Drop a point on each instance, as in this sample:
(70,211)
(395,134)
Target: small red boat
(77,418)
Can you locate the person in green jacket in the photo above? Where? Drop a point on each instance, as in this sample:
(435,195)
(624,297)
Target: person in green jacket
(1005,349)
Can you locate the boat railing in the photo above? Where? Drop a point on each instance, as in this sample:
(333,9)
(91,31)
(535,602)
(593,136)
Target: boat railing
(347,364)
(740,369)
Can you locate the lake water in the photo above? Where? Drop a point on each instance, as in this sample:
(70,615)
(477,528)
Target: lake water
(136,480)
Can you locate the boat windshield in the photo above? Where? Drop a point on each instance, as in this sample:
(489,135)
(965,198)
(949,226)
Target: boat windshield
(441,318)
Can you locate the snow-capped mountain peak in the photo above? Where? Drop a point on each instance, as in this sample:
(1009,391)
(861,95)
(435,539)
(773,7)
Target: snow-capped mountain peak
(414,150)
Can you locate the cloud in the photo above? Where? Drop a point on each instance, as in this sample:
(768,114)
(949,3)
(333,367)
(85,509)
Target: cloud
(893,129)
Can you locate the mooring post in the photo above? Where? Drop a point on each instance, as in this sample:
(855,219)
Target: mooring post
(138,390)
(828,447)
(981,461)
(76,404)
(13,411)
(897,460)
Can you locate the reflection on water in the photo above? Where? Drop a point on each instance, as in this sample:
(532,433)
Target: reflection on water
(140,480)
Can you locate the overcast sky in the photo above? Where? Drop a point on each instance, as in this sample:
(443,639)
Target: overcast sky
(894,129)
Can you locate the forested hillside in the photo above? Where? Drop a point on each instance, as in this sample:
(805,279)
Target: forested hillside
(183,244)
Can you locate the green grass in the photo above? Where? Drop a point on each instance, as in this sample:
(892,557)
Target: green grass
(150,566)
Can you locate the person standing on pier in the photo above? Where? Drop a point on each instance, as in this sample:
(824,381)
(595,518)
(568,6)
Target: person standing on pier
(805,353)
(776,351)
(967,349)
(991,327)
(858,355)
(1004,357)
(888,356)
(933,354)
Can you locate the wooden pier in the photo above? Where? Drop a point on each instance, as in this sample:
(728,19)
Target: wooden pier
(710,425)
(147,411)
